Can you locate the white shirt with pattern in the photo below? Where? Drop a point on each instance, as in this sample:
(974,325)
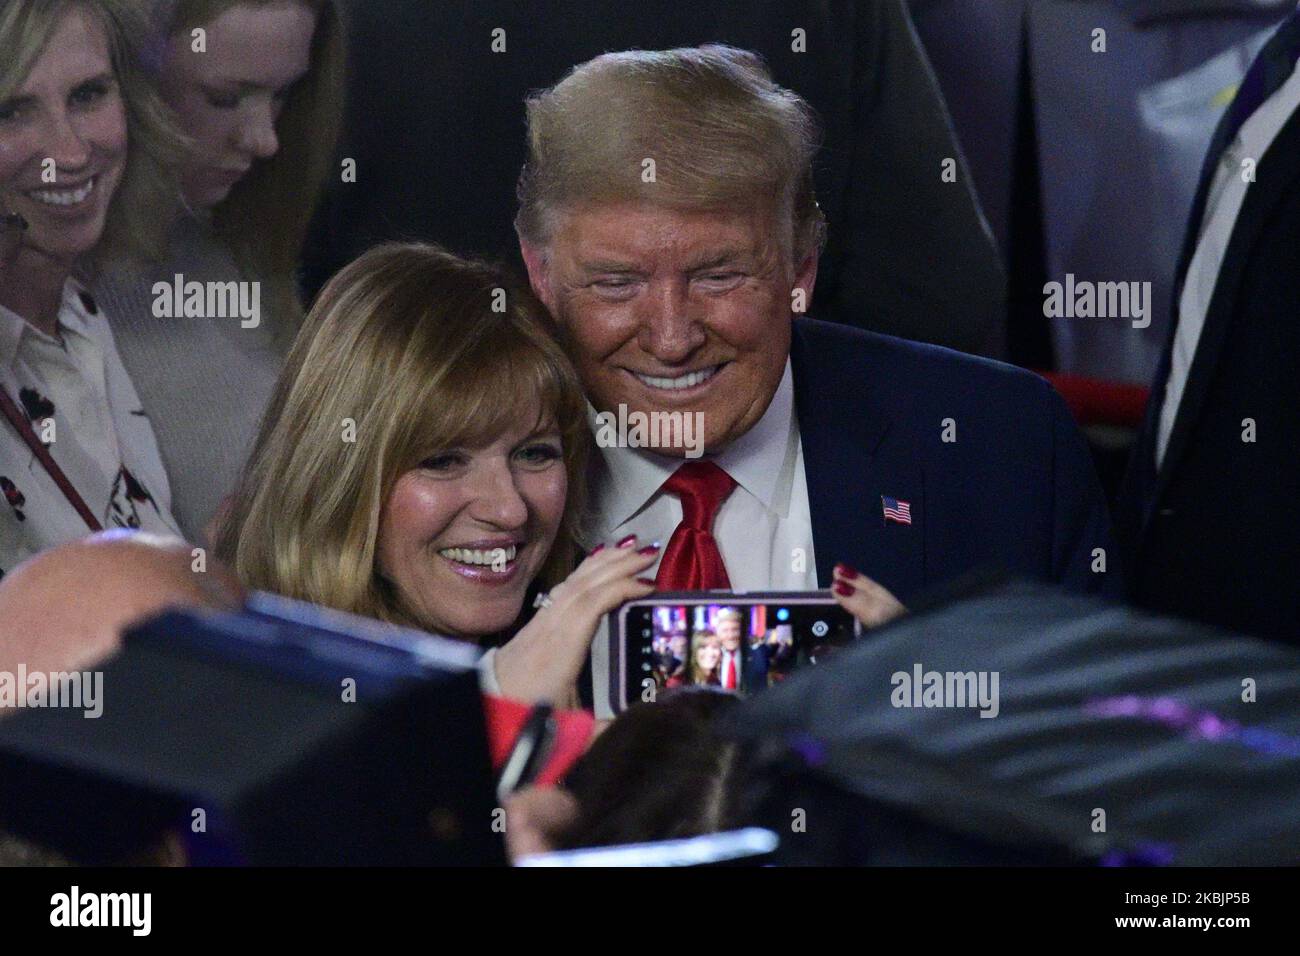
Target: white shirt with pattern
(83,407)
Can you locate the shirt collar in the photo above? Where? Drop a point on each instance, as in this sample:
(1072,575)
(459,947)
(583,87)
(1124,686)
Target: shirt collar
(12,327)
(624,480)
(74,318)
(77,308)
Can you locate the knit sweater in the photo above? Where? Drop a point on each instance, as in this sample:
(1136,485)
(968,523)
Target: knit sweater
(204,381)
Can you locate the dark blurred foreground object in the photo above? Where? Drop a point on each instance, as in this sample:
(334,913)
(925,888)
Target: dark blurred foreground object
(247,717)
(436,126)
(1184,740)
(662,771)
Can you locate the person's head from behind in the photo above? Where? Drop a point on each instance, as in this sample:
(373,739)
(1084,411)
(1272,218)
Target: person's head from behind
(422,459)
(660,772)
(727,623)
(87,151)
(668,221)
(705,657)
(67,608)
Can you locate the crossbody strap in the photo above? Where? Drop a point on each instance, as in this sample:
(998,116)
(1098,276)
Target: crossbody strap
(24,428)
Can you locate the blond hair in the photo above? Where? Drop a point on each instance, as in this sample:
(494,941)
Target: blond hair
(404,346)
(700,640)
(139,214)
(729,614)
(719,131)
(266,217)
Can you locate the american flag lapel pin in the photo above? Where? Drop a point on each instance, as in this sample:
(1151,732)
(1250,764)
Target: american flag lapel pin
(900,512)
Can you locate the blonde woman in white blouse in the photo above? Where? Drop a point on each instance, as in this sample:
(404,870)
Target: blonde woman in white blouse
(86,154)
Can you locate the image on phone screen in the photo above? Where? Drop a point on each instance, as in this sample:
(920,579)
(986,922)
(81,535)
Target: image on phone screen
(737,645)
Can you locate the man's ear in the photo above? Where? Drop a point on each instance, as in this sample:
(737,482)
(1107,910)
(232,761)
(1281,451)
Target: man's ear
(535,263)
(805,279)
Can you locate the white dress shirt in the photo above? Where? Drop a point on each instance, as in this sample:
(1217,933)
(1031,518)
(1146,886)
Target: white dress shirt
(102,439)
(1223,204)
(763,529)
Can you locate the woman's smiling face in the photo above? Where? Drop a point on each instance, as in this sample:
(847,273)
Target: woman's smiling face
(63,142)
(464,533)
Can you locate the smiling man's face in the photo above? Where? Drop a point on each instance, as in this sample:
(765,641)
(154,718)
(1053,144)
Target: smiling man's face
(673,311)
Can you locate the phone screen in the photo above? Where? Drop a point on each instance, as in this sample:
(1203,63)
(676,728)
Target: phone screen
(725,641)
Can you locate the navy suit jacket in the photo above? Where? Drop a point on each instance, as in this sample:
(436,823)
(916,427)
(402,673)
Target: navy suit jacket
(1015,491)
(1215,534)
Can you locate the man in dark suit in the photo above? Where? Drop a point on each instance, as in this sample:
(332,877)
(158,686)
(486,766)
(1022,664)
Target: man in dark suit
(744,664)
(1210,515)
(734,664)
(667,221)
(436,115)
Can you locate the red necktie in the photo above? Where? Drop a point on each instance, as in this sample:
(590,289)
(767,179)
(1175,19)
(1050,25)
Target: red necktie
(692,562)
(729,682)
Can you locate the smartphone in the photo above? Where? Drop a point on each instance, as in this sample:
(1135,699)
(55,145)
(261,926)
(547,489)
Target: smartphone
(736,641)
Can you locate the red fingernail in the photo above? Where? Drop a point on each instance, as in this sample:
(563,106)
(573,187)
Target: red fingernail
(627,541)
(649,581)
(648,549)
(846,570)
(843,589)
(598,548)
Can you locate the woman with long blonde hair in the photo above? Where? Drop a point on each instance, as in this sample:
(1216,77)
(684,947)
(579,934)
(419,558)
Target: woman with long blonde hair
(257,87)
(706,653)
(422,462)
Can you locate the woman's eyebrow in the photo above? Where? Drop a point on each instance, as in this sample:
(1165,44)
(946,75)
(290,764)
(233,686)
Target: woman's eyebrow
(550,431)
(18,101)
(104,77)
(23,100)
(252,86)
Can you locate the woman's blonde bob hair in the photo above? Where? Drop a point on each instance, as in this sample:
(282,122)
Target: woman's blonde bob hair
(409,351)
(138,216)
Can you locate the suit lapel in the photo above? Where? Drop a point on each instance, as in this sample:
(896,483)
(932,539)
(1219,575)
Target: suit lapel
(1276,174)
(1278,68)
(854,451)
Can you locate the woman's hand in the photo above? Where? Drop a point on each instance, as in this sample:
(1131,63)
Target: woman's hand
(536,817)
(542,661)
(862,597)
